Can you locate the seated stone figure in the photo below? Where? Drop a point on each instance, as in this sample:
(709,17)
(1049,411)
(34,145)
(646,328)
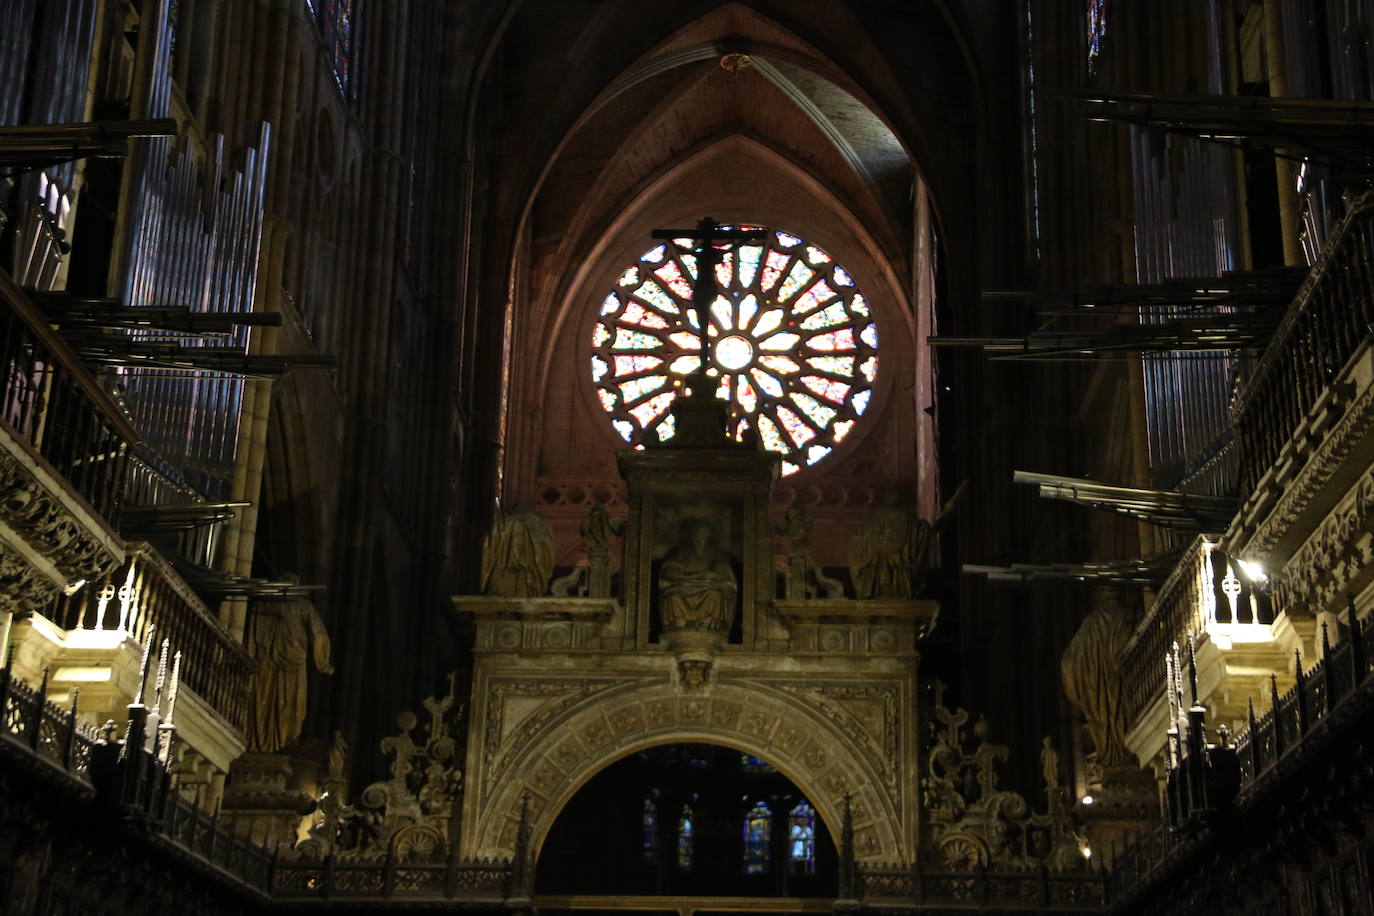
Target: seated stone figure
(696,585)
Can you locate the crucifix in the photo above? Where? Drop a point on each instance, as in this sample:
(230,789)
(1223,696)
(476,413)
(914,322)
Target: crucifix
(707,233)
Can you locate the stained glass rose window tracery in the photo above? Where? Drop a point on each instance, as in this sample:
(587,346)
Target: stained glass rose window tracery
(791,344)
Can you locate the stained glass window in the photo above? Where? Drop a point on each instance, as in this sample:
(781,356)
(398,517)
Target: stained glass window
(751,764)
(1097,30)
(335,19)
(684,839)
(790,339)
(758,832)
(801,838)
(649,841)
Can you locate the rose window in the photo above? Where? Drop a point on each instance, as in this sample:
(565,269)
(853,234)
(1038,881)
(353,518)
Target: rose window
(791,345)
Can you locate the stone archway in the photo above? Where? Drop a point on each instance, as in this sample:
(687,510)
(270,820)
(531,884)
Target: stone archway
(544,737)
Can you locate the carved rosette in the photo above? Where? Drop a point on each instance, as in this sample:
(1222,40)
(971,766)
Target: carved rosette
(49,538)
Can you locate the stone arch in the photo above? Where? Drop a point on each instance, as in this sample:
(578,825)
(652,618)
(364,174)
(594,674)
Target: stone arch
(581,728)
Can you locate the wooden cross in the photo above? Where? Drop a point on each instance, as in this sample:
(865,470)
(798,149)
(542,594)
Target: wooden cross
(706,234)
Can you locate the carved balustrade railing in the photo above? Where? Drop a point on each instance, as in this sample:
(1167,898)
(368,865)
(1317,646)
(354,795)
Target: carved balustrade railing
(1207,589)
(32,721)
(151,483)
(145,591)
(1342,674)
(1329,318)
(141,782)
(1339,683)
(50,401)
(993,888)
(387,877)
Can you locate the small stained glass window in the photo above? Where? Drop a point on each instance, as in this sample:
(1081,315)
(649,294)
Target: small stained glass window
(801,839)
(649,841)
(758,835)
(1097,30)
(790,338)
(684,839)
(752,764)
(336,19)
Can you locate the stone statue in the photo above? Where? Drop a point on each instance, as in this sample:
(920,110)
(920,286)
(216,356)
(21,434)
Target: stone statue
(517,555)
(599,526)
(889,551)
(286,634)
(1049,763)
(1092,680)
(696,585)
(338,758)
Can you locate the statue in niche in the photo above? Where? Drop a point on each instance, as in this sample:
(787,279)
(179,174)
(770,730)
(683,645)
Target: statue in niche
(517,555)
(1092,680)
(889,552)
(286,634)
(696,585)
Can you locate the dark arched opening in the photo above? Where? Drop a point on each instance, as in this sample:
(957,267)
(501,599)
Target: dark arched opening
(689,819)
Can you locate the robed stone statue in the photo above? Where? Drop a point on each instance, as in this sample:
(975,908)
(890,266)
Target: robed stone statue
(517,555)
(287,633)
(696,584)
(889,552)
(1092,678)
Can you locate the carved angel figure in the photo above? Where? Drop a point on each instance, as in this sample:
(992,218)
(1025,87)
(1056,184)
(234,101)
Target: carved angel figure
(517,555)
(599,526)
(696,585)
(286,634)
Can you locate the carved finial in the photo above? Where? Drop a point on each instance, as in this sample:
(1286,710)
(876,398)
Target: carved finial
(143,665)
(1192,667)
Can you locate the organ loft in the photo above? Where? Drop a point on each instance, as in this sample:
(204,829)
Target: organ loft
(755,456)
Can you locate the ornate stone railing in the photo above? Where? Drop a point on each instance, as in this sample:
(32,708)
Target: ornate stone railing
(1335,694)
(28,718)
(1327,321)
(139,784)
(1336,678)
(145,591)
(982,888)
(51,402)
(387,878)
(63,457)
(1207,589)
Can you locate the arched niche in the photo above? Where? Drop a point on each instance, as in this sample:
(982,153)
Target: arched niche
(849,741)
(688,819)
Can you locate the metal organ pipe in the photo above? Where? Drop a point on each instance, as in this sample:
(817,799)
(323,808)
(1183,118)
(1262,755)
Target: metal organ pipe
(193,236)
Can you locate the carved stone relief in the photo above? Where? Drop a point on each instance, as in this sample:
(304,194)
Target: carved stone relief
(832,740)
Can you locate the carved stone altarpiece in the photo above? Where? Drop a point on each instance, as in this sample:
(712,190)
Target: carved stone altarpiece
(698,646)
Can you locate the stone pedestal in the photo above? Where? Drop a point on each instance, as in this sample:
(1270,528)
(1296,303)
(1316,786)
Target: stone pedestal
(1125,804)
(260,801)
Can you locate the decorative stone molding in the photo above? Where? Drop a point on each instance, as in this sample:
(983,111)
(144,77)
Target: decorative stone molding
(1327,452)
(553,733)
(1336,559)
(23,585)
(50,538)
